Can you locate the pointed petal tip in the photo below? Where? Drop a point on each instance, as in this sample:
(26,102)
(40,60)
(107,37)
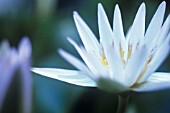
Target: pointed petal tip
(70,40)
(75,13)
(100,7)
(142,6)
(60,51)
(77,18)
(25,42)
(142,9)
(163,4)
(116,6)
(117,9)
(25,48)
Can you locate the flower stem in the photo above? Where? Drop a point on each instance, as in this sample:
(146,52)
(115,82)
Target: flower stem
(123,102)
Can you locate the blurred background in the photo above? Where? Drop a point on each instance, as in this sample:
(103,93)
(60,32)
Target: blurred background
(48,23)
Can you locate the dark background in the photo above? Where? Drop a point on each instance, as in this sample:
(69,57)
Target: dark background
(48,23)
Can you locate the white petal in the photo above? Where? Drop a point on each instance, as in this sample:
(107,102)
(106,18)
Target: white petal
(156,81)
(94,64)
(89,40)
(76,62)
(159,77)
(69,76)
(155,23)
(105,31)
(168,38)
(135,65)
(101,70)
(156,61)
(118,27)
(115,65)
(127,44)
(106,37)
(138,28)
(161,36)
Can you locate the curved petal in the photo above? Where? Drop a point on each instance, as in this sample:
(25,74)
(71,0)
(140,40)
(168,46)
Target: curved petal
(76,63)
(25,51)
(88,38)
(105,31)
(118,27)
(161,35)
(155,24)
(135,65)
(156,81)
(8,65)
(94,65)
(115,65)
(69,76)
(157,60)
(138,28)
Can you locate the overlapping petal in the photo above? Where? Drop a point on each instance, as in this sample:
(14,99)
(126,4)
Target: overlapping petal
(69,76)
(157,81)
(12,60)
(76,63)
(137,31)
(119,64)
(118,27)
(155,24)
(88,38)
(8,65)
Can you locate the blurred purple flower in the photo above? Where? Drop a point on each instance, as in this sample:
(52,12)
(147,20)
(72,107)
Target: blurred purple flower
(8,65)
(10,61)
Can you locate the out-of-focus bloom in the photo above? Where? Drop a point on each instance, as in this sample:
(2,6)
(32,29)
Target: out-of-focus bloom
(24,54)
(119,63)
(8,66)
(12,60)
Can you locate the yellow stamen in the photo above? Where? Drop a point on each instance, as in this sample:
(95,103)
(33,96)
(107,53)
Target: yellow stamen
(103,58)
(134,86)
(129,51)
(104,61)
(122,53)
(144,69)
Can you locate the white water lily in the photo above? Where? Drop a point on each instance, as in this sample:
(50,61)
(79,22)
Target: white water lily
(118,63)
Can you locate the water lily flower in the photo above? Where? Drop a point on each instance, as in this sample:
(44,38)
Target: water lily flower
(12,60)
(118,63)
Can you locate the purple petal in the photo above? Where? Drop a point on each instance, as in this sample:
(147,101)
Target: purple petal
(25,58)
